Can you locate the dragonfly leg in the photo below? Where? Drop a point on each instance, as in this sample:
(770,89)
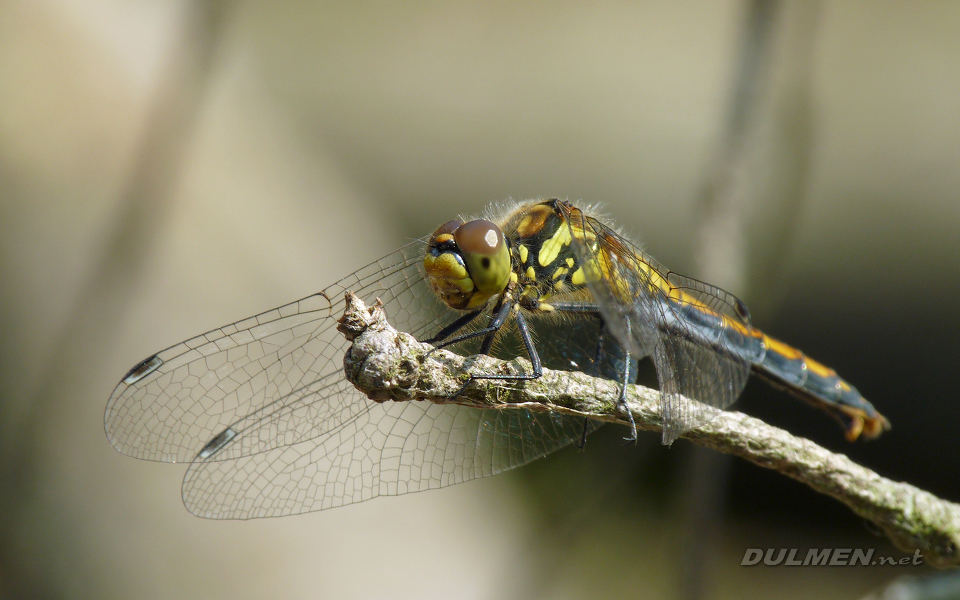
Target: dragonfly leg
(597,356)
(594,309)
(454,327)
(578,307)
(524,331)
(622,401)
(501,312)
(487,343)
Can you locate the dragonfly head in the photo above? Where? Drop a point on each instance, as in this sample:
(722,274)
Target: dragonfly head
(467,263)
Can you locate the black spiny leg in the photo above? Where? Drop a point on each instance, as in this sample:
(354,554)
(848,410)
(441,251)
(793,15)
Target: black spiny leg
(577,307)
(593,309)
(454,327)
(527,342)
(487,343)
(622,401)
(597,356)
(524,331)
(501,312)
(589,307)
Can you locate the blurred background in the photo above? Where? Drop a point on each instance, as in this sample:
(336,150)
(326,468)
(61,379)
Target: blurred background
(169,167)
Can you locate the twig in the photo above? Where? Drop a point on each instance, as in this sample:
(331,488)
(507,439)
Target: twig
(388,365)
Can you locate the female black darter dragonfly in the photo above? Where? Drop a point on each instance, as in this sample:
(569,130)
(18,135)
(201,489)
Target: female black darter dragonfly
(262,411)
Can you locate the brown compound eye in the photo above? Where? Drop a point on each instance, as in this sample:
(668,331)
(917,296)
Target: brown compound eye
(479,237)
(445,231)
(484,251)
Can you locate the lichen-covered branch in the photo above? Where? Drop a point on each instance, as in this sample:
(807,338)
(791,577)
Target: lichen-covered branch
(388,365)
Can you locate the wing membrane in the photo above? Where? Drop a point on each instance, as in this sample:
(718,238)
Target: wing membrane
(262,409)
(390,449)
(274,379)
(690,328)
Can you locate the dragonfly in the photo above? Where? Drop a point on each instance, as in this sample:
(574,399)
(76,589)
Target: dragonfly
(262,412)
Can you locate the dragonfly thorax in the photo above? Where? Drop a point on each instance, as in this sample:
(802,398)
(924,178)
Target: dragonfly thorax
(467,263)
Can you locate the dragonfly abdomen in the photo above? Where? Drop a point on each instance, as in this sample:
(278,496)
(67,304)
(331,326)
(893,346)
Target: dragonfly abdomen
(790,369)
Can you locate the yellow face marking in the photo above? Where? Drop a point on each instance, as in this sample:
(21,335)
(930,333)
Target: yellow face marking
(513,277)
(570,262)
(560,273)
(531,274)
(445,266)
(443,237)
(450,280)
(550,249)
(523,254)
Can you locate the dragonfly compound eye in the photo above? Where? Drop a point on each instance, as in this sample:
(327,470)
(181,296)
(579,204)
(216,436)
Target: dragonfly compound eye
(485,253)
(467,263)
(444,233)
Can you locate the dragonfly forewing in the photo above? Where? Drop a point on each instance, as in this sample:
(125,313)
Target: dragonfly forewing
(272,427)
(270,380)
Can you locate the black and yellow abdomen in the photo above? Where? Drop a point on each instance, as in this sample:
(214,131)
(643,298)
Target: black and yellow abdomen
(550,256)
(786,367)
(546,265)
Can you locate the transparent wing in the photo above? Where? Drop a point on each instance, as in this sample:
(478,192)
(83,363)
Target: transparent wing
(697,334)
(703,354)
(271,380)
(262,409)
(389,449)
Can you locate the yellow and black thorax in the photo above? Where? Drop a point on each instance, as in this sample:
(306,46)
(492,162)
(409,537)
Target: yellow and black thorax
(529,254)
(542,255)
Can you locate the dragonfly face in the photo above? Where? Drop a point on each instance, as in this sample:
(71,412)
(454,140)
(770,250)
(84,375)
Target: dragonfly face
(467,263)
(261,410)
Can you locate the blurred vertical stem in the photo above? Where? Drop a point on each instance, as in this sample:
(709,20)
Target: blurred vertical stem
(767,93)
(100,303)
